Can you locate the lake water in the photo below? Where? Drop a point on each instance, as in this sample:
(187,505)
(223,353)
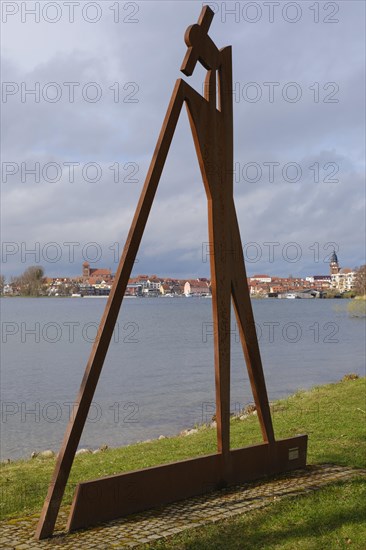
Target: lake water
(158,377)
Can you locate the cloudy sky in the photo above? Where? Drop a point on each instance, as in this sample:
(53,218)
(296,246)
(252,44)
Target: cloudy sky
(85,90)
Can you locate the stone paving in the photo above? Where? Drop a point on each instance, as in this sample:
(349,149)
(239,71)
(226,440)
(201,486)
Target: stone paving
(132,531)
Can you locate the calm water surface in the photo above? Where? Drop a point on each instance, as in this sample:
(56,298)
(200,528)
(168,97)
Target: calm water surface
(158,377)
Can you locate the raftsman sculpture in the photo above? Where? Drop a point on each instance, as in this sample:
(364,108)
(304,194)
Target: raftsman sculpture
(211,121)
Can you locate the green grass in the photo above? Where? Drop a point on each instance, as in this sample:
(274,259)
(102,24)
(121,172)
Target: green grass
(331,518)
(333,416)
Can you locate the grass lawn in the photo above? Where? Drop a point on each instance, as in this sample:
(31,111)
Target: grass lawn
(331,518)
(333,416)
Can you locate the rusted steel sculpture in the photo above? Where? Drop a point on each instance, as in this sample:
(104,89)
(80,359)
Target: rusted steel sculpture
(211,121)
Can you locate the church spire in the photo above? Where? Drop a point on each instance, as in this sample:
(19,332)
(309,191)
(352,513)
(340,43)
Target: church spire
(334,265)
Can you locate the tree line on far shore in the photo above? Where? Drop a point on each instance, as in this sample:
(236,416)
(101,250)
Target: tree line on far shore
(31,282)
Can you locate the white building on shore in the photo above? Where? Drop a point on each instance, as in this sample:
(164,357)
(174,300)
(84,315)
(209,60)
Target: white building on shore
(342,279)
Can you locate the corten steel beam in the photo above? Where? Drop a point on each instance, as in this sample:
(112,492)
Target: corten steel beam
(115,496)
(100,347)
(211,121)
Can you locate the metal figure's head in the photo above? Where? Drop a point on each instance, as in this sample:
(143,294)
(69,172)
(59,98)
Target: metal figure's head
(200,46)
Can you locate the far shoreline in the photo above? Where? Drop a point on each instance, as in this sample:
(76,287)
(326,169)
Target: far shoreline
(337,297)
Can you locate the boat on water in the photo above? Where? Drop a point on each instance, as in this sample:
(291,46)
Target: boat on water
(291,296)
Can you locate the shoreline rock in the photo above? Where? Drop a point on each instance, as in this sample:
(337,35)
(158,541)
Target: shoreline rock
(83,452)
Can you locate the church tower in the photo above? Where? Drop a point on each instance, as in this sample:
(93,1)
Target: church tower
(334,265)
(86,270)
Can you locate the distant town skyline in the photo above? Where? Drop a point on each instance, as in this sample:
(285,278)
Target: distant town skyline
(298,268)
(94,281)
